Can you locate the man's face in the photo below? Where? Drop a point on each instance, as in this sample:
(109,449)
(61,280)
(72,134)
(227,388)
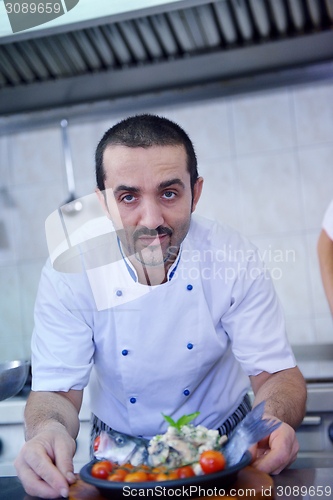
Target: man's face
(149,200)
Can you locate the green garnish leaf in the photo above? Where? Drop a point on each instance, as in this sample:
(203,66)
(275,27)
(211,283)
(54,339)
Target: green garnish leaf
(169,419)
(185,419)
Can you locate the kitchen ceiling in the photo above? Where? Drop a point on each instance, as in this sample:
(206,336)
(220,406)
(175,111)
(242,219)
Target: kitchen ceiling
(165,46)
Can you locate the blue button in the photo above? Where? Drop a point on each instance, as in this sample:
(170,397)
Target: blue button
(189,287)
(186,392)
(133,400)
(190,346)
(124,352)
(119,293)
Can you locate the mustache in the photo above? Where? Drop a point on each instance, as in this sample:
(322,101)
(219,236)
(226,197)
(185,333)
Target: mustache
(144,231)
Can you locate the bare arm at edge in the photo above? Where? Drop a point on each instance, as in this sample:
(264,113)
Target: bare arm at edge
(45,463)
(325,255)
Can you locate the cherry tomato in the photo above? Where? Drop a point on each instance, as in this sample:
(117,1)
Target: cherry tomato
(212,461)
(159,469)
(185,471)
(101,470)
(96,443)
(172,475)
(161,477)
(136,477)
(118,475)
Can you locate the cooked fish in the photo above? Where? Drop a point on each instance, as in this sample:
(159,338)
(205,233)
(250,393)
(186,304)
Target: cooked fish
(250,430)
(182,446)
(122,448)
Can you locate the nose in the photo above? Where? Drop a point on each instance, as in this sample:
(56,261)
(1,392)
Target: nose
(151,215)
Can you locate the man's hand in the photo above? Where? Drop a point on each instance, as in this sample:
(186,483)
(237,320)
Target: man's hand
(285,395)
(277,451)
(45,463)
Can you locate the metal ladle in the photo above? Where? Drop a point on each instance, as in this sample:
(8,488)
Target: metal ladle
(72,205)
(13,375)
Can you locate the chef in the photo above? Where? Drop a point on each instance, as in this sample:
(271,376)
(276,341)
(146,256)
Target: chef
(168,313)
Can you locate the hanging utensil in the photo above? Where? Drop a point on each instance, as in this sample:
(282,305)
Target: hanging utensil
(72,205)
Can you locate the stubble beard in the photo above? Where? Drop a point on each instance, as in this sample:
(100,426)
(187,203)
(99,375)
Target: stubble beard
(153,256)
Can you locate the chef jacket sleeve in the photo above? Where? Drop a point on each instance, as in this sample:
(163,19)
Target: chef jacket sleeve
(255,322)
(62,341)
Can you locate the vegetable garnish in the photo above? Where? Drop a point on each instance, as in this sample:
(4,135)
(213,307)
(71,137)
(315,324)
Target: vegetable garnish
(184,420)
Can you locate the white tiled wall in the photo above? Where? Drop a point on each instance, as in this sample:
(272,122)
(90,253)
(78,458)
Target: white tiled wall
(267,161)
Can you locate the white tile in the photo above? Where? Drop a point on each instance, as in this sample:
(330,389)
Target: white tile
(300,331)
(206,123)
(320,303)
(83,139)
(316,167)
(4,161)
(104,124)
(324,329)
(36,156)
(91,209)
(269,193)
(34,205)
(218,199)
(29,274)
(10,315)
(287,261)
(8,248)
(262,122)
(85,185)
(314,113)
(165,111)
(13,350)
(26,346)
(7,205)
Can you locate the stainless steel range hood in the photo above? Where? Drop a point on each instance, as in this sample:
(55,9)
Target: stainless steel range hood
(161,47)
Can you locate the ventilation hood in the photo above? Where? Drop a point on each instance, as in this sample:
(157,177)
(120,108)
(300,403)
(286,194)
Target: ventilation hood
(98,54)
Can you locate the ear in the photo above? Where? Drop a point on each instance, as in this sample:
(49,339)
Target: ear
(102,200)
(197,192)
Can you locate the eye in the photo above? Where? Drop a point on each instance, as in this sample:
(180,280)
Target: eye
(169,195)
(119,440)
(129,198)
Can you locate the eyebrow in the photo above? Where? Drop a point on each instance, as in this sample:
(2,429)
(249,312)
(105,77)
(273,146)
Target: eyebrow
(162,185)
(122,187)
(167,184)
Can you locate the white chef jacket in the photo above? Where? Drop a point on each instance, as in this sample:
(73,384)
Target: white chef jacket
(183,346)
(328,220)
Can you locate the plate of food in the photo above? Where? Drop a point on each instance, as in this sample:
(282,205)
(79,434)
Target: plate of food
(191,460)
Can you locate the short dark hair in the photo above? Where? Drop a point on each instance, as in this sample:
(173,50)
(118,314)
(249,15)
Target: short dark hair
(144,131)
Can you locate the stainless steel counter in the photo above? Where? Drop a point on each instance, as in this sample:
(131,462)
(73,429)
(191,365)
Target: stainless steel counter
(315,362)
(304,484)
